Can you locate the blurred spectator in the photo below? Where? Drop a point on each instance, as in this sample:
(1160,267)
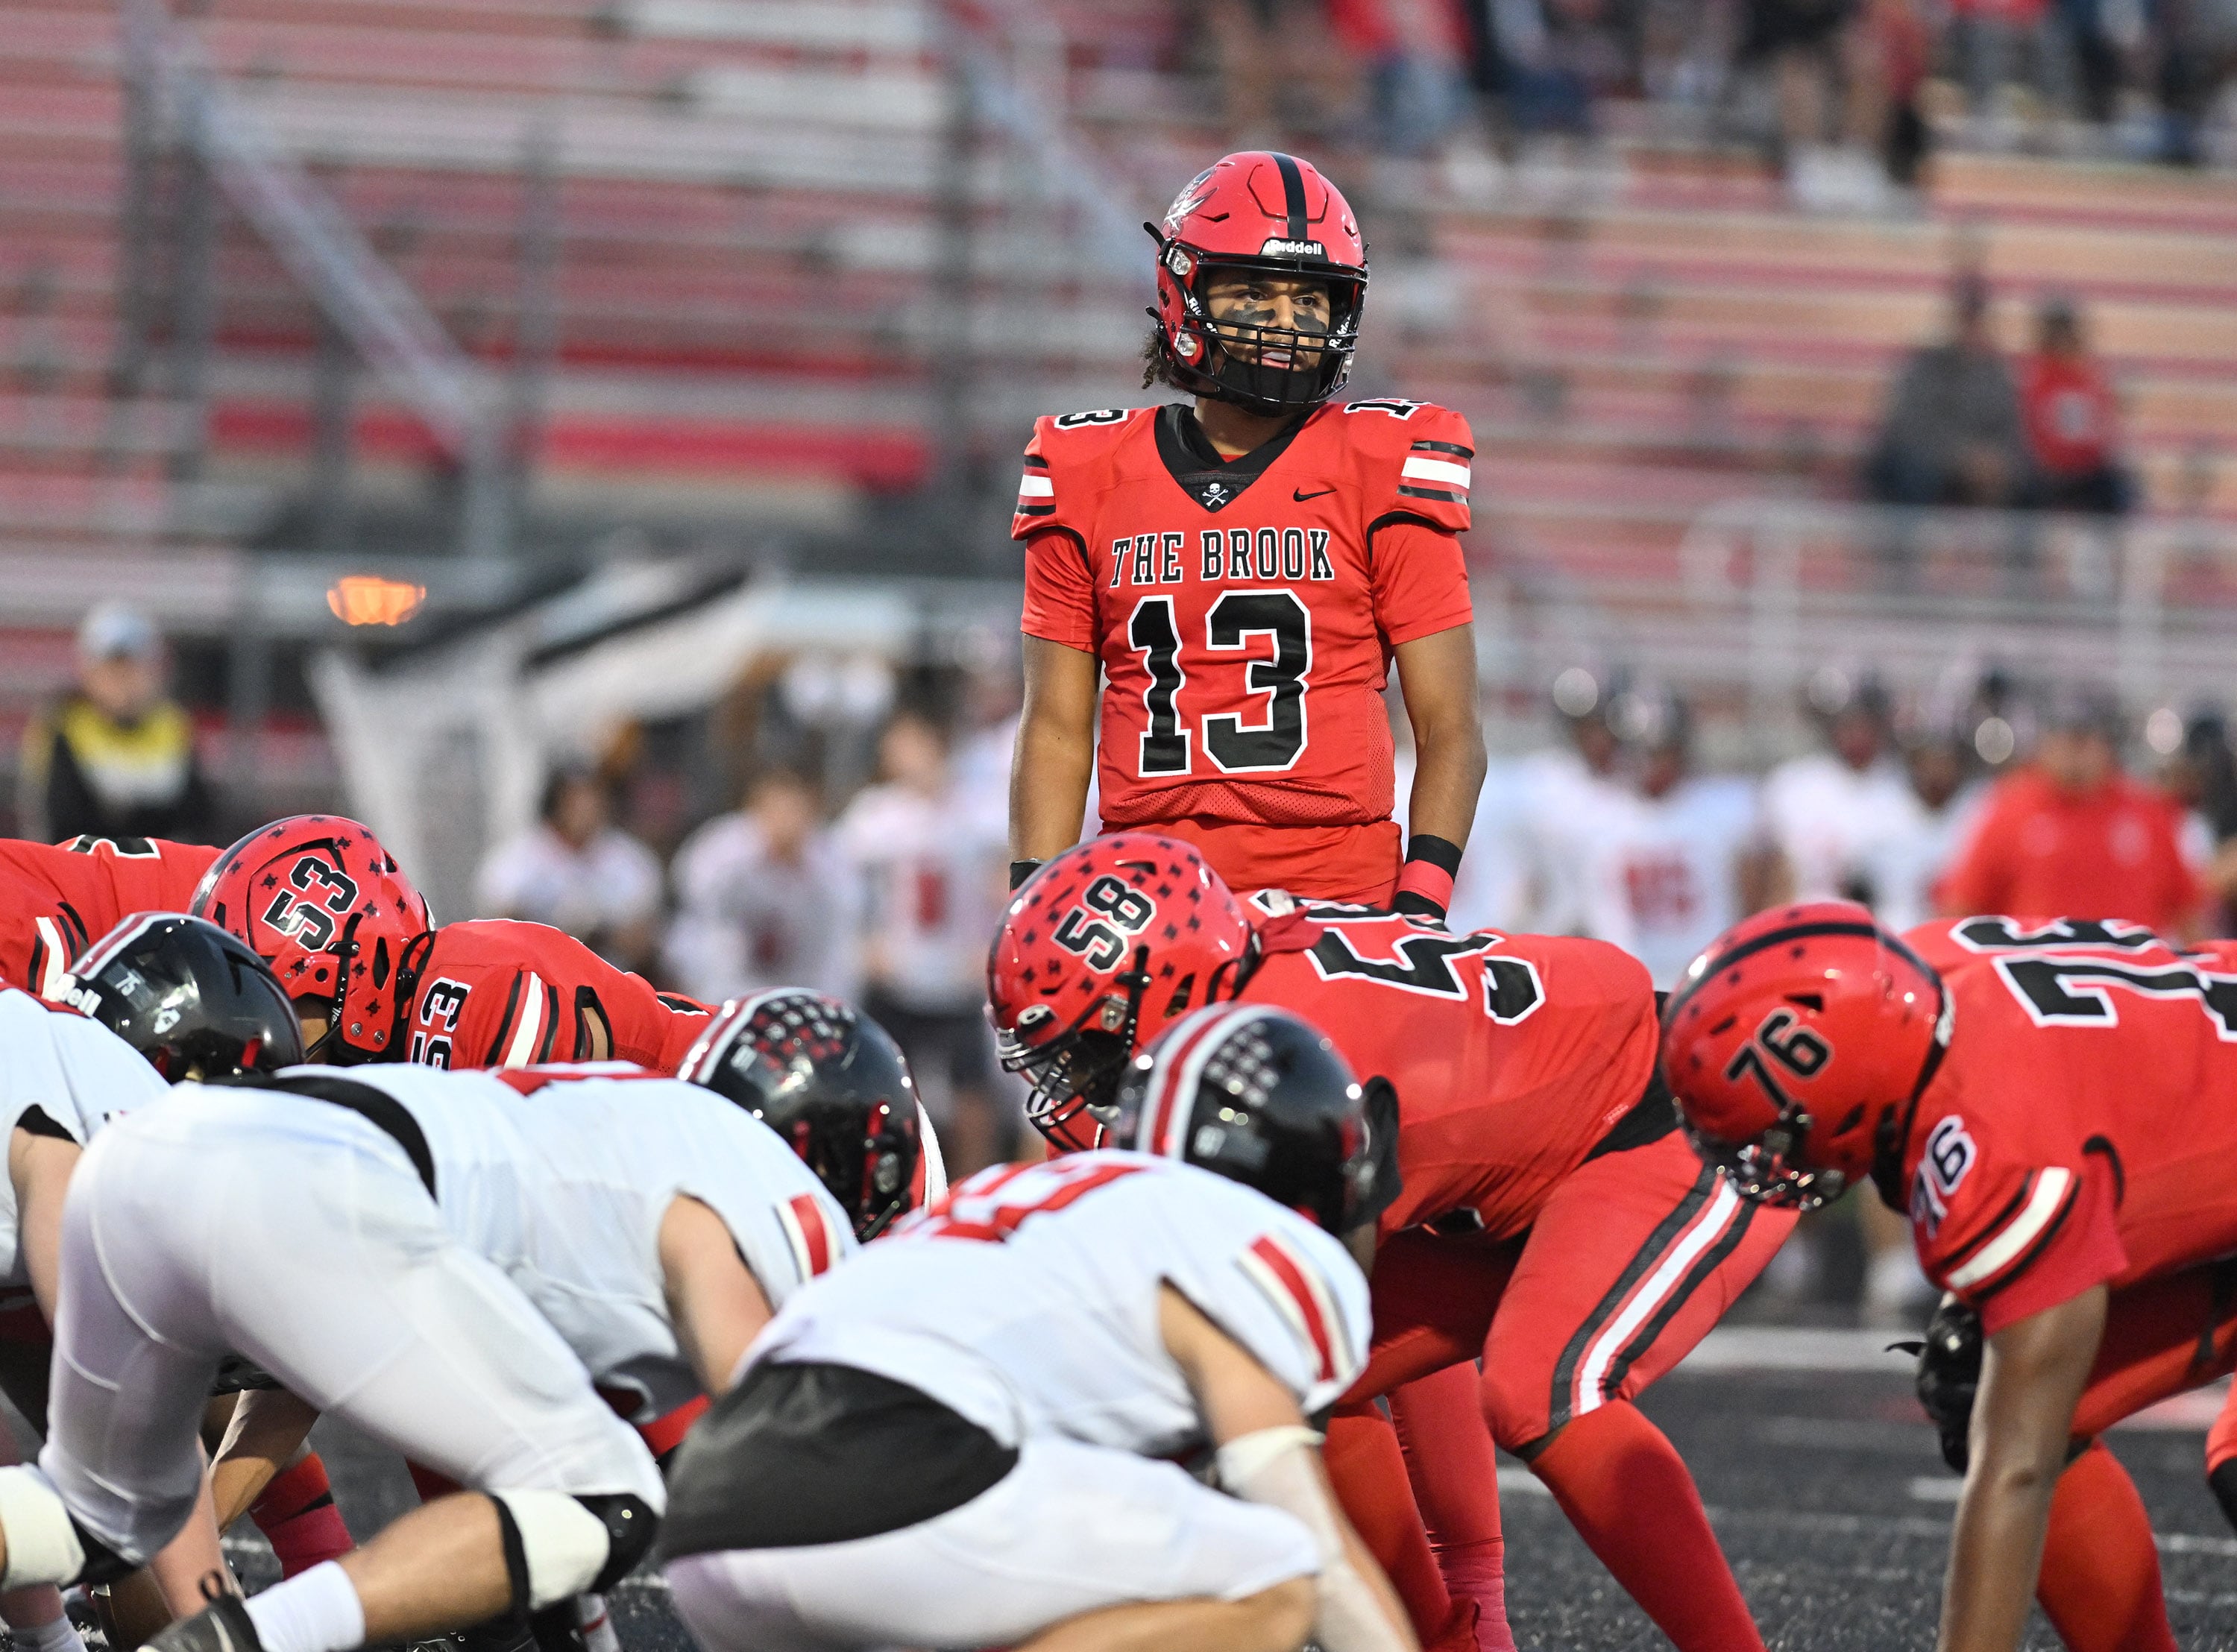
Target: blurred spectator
(1825,56)
(762,897)
(2066,400)
(2201,776)
(1953,433)
(1991,37)
(1267,47)
(1830,812)
(578,872)
(114,757)
(933,868)
(2197,47)
(2071,836)
(1683,859)
(1417,56)
(1541,59)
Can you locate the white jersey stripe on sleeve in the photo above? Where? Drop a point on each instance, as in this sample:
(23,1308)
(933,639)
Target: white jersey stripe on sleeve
(1300,1297)
(522,1051)
(1428,469)
(934,1161)
(1034,485)
(2019,1233)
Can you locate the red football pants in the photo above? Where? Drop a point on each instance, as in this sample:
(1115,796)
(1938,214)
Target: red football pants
(1632,1260)
(1358,864)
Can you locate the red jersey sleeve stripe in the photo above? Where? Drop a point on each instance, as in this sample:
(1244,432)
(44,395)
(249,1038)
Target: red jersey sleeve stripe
(2046,1203)
(808,1230)
(1297,1294)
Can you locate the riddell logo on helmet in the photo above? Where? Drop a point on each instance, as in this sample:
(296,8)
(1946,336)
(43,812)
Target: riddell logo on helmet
(1277,247)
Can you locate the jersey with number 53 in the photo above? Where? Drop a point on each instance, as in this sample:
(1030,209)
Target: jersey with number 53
(1245,612)
(1027,1299)
(2081,1126)
(1514,1055)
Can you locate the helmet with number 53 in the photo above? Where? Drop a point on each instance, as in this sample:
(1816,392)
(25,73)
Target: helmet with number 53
(1794,1045)
(328,908)
(1100,950)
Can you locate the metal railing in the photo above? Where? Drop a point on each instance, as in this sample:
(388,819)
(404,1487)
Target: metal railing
(1764,593)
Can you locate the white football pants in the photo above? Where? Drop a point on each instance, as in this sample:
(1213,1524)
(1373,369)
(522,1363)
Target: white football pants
(296,1233)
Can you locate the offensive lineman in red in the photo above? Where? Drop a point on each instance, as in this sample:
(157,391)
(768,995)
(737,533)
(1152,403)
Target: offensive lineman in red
(2048,1102)
(55,899)
(1552,1220)
(1241,575)
(318,899)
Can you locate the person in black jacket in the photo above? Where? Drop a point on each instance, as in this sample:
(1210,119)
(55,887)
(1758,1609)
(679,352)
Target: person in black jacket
(114,757)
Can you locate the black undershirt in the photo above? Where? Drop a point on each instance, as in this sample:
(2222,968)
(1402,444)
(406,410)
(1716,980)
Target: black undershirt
(802,1454)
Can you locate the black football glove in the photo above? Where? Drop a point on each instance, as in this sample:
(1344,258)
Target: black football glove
(1949,1375)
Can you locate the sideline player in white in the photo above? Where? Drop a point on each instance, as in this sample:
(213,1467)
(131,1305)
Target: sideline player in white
(1680,857)
(449,1260)
(955,1442)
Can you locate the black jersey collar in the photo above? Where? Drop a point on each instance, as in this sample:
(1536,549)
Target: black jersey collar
(1194,464)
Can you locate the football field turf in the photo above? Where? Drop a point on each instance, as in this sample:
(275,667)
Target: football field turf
(1822,1477)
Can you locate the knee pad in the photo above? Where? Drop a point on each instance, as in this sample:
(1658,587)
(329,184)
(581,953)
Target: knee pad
(44,1543)
(556,1546)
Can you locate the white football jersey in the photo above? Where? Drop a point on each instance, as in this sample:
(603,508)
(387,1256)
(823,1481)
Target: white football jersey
(77,1072)
(561,1176)
(1027,1302)
(1663,874)
(1565,809)
(1830,820)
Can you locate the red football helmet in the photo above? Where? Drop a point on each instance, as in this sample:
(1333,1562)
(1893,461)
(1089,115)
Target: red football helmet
(1101,949)
(1277,216)
(318,899)
(1793,1042)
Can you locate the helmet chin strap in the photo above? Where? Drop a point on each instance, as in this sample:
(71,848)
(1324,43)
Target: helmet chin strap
(1888,1137)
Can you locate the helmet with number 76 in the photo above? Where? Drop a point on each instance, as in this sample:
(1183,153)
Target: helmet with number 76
(1112,941)
(321,902)
(1795,1045)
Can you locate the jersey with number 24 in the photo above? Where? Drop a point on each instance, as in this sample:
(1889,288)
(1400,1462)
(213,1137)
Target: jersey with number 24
(1244,611)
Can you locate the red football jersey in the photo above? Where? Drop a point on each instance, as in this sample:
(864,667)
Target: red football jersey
(54,898)
(1244,611)
(2074,1133)
(1513,1054)
(492,992)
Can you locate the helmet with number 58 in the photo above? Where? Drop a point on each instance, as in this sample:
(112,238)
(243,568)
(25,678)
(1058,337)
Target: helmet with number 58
(328,908)
(1101,949)
(1795,1043)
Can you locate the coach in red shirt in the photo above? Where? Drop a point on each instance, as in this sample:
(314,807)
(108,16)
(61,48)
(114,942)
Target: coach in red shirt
(2070,835)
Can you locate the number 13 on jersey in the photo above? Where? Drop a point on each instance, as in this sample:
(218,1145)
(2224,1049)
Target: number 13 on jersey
(1233,624)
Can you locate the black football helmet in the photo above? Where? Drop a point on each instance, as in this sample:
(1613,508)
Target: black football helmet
(1260,1096)
(191,998)
(832,1082)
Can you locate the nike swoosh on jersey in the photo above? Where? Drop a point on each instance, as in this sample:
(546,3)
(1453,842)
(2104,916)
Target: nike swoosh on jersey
(1301,497)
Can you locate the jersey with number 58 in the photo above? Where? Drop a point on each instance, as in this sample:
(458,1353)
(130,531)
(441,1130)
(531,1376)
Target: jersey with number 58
(2080,1129)
(1514,1055)
(980,1302)
(1244,611)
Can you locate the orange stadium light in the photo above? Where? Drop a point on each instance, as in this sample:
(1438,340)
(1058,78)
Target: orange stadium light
(366,599)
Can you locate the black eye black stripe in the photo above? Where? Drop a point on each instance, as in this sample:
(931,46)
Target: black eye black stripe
(1293,194)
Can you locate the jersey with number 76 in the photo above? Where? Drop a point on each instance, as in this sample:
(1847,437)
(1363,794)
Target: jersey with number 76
(2082,1127)
(1245,612)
